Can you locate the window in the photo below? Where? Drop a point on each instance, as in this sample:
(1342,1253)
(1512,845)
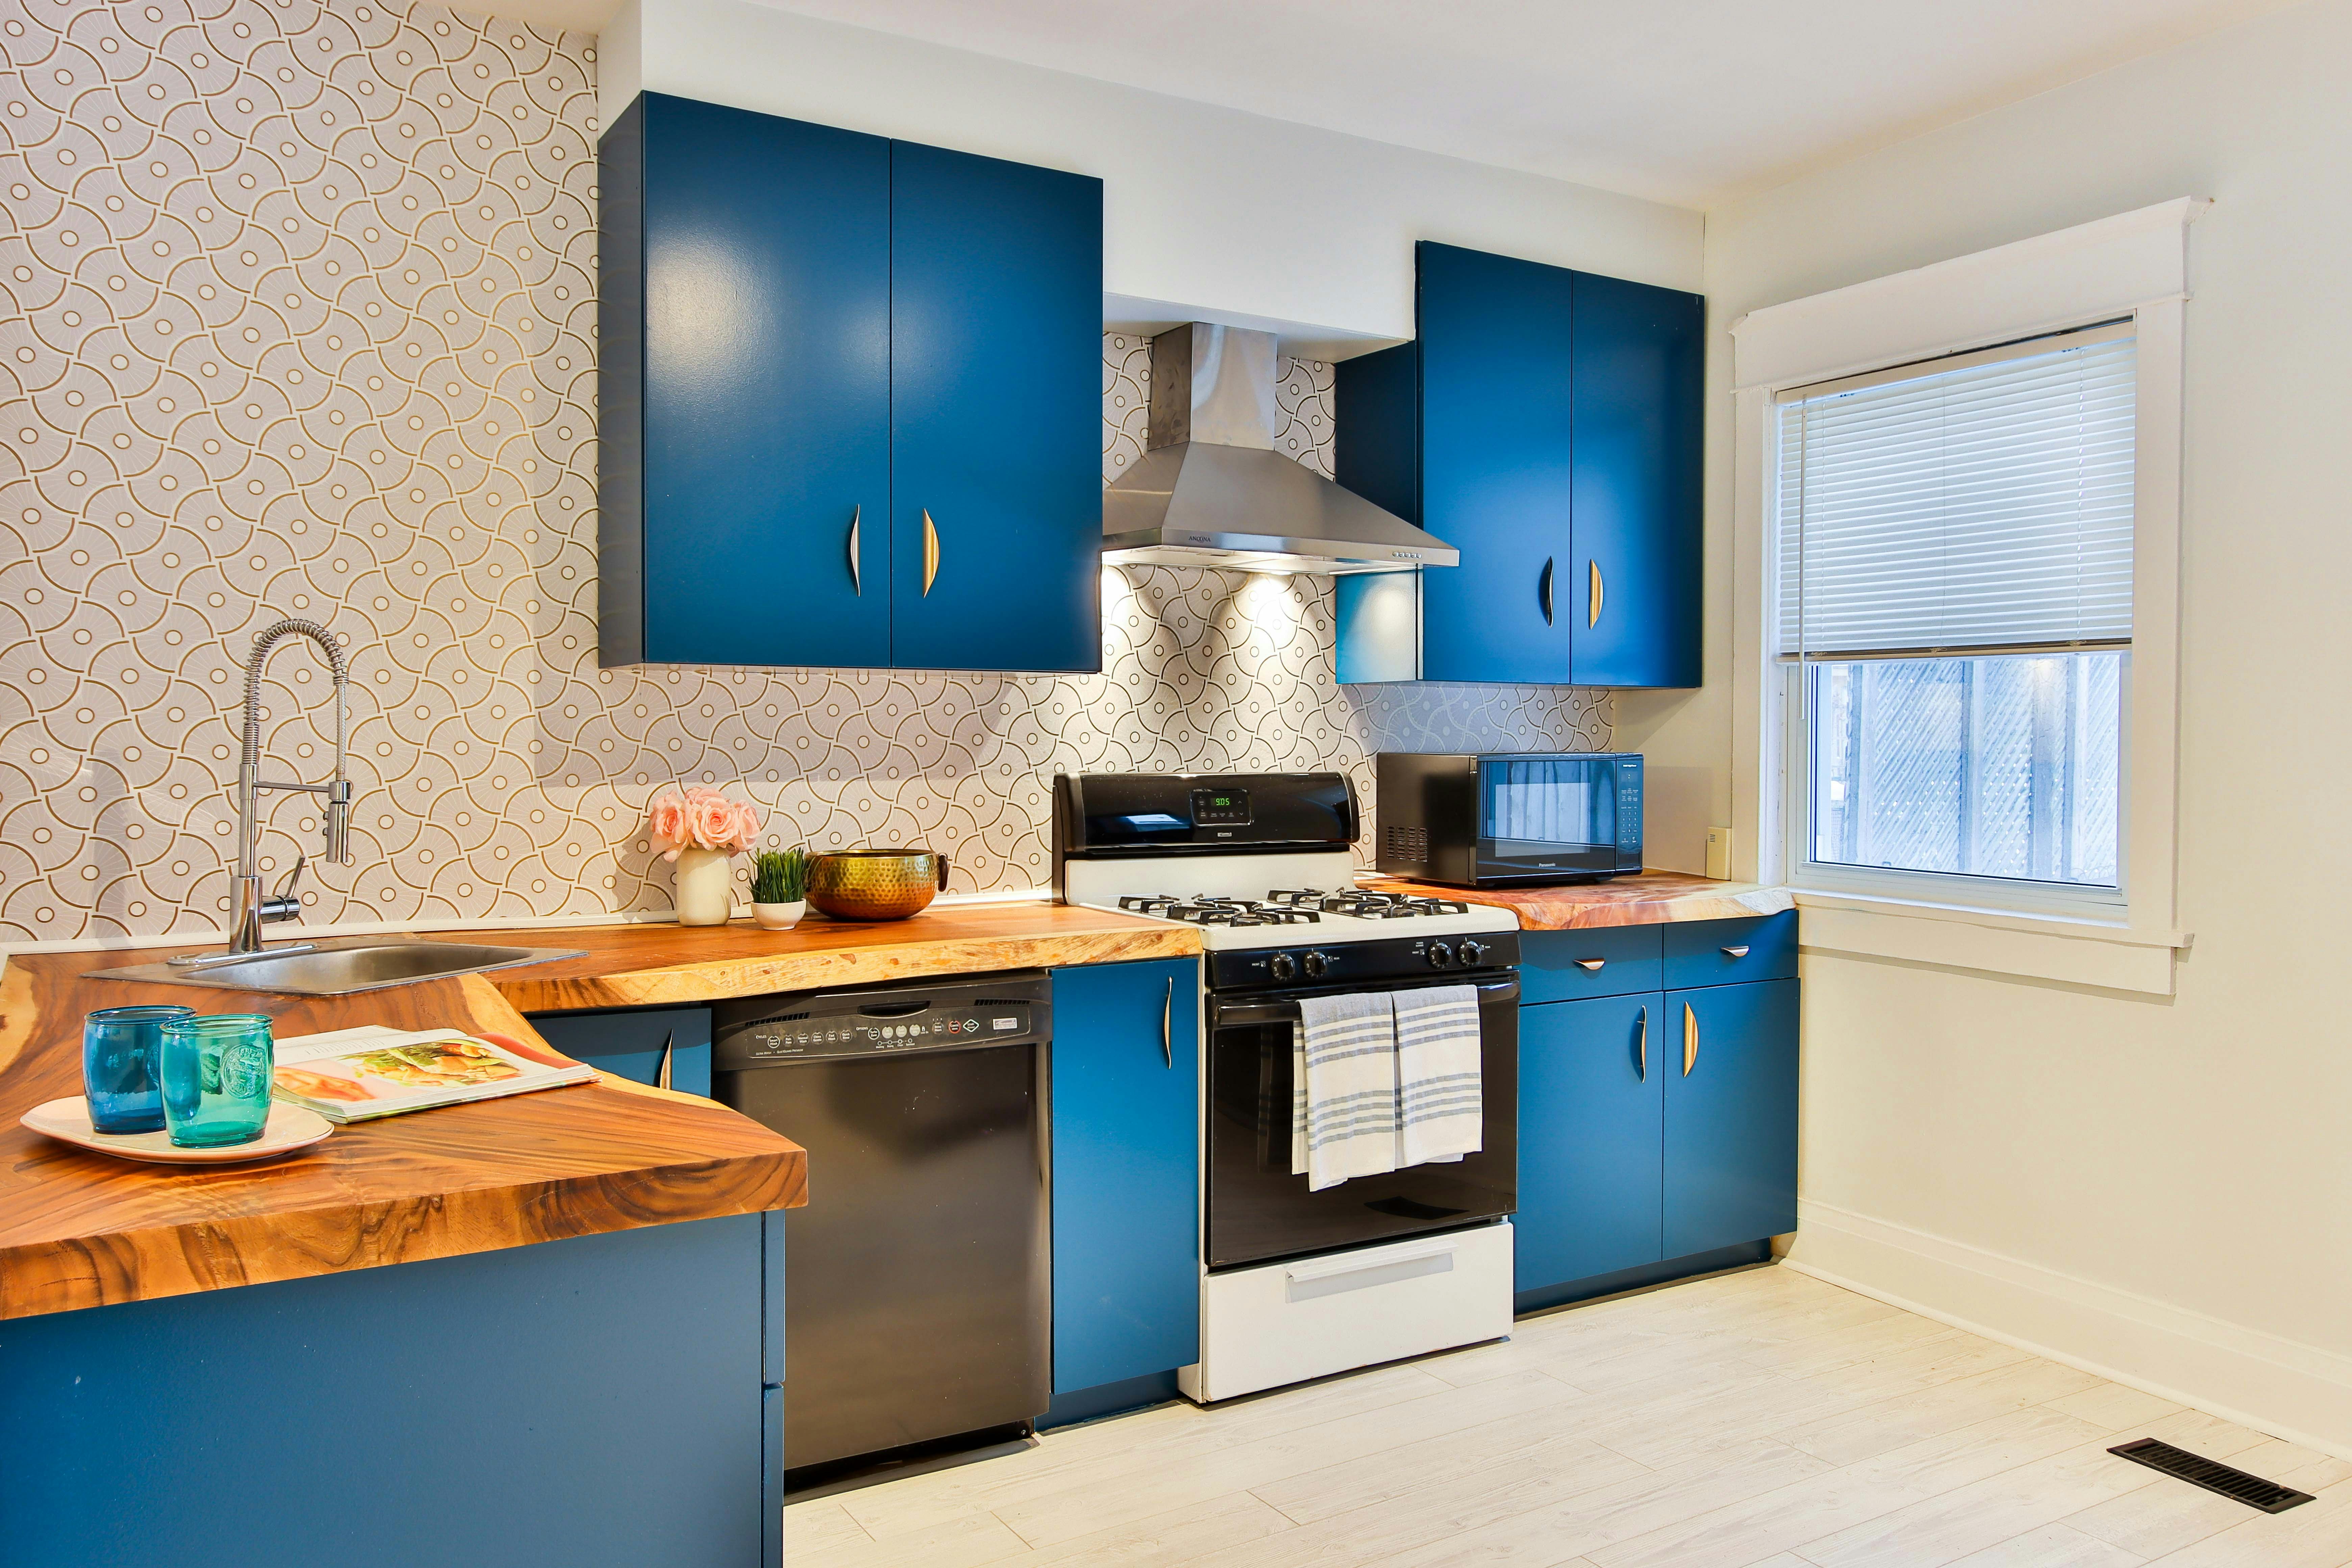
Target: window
(1955,615)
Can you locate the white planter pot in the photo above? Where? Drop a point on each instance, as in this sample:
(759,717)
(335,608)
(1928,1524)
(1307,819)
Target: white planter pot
(779,917)
(705,884)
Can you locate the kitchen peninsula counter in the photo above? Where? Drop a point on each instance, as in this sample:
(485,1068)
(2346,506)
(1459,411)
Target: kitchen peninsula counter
(1652,898)
(81,1230)
(554,1319)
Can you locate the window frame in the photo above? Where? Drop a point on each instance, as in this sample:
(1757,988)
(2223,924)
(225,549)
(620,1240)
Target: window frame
(2131,267)
(1798,829)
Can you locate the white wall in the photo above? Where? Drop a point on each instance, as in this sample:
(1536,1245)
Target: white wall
(1236,216)
(2161,1188)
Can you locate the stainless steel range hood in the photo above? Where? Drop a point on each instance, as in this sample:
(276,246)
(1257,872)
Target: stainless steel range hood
(1210,490)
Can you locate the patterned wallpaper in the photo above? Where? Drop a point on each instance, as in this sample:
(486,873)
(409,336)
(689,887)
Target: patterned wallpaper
(297,316)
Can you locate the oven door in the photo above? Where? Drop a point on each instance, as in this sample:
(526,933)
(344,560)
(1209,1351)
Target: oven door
(1259,1211)
(1550,818)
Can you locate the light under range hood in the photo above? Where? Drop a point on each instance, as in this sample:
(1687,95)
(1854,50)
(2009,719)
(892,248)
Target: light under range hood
(1210,490)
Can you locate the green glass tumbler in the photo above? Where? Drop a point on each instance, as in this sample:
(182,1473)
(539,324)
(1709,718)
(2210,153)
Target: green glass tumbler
(216,1070)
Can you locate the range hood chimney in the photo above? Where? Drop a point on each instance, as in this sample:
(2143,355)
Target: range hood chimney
(1210,490)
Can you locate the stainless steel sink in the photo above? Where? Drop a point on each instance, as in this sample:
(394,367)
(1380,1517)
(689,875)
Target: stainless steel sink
(339,970)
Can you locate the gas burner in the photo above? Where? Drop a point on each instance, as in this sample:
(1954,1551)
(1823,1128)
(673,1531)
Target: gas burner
(1362,905)
(1210,910)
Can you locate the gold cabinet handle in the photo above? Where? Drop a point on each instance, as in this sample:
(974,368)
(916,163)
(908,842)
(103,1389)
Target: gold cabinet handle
(1592,617)
(931,553)
(1642,1047)
(1592,964)
(1736,952)
(1690,1039)
(1167,1026)
(856,584)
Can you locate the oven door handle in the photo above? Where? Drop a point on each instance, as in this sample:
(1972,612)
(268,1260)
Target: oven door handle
(1225,1015)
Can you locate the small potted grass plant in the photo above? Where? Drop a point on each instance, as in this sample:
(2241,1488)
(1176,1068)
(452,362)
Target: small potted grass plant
(778,888)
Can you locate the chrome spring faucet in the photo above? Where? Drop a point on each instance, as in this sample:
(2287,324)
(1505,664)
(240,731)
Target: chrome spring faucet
(252,907)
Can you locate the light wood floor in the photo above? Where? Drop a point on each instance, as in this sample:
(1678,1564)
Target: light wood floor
(1760,1418)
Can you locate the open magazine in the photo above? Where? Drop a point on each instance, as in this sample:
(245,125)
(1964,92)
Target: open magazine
(352,1074)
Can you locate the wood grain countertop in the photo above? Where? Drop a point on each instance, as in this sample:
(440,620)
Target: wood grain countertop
(644,965)
(1654,898)
(79,1229)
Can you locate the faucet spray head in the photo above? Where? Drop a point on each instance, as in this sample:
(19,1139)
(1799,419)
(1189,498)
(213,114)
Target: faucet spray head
(339,822)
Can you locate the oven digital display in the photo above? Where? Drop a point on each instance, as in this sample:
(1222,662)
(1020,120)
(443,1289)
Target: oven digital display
(1221,808)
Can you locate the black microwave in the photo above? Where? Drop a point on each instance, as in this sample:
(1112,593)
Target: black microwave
(1514,818)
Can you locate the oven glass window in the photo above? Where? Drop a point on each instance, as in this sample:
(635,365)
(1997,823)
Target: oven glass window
(1535,807)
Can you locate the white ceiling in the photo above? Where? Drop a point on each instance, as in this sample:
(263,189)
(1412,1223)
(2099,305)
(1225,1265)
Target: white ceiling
(1690,101)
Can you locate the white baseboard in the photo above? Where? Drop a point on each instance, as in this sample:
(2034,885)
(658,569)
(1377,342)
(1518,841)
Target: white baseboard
(2273,1385)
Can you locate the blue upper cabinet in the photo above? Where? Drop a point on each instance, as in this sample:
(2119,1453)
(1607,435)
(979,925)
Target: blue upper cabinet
(814,339)
(1545,423)
(1496,464)
(1127,1272)
(745,325)
(1634,391)
(995,414)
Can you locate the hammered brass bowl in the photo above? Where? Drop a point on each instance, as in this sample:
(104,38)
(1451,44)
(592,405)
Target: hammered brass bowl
(875,884)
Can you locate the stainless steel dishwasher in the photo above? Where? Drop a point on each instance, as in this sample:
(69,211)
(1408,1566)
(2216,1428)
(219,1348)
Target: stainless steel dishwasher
(918,1287)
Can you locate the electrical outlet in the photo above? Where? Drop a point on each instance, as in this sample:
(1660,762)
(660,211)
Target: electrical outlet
(1718,854)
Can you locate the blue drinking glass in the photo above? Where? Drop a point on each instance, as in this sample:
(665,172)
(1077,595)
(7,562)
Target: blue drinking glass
(120,1078)
(216,1070)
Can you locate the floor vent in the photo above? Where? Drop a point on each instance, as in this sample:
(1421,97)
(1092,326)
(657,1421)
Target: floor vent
(2211,1474)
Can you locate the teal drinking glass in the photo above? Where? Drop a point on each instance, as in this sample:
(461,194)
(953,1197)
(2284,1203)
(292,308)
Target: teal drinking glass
(216,1070)
(120,1075)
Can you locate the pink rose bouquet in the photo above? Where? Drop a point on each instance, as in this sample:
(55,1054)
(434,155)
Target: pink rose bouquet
(701,819)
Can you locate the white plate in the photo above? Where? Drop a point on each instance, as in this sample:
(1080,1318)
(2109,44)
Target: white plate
(290,1127)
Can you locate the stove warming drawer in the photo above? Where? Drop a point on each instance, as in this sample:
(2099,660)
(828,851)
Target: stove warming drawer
(1285,1322)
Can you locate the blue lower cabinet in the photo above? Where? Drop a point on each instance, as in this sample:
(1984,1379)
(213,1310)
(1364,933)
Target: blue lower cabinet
(1126,1138)
(594,1400)
(1730,1115)
(636,1042)
(1592,1078)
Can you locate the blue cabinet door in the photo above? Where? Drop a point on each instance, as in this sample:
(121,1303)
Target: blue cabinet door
(745,331)
(1592,1080)
(995,414)
(1126,1124)
(1496,459)
(646,1045)
(1731,1115)
(1635,384)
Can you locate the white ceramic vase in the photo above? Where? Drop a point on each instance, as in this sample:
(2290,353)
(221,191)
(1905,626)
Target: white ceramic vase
(779,917)
(705,883)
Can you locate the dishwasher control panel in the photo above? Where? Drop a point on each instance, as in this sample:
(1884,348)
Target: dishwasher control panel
(886,1021)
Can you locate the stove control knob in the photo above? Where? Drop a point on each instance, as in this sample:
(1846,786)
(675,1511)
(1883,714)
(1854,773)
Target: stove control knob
(1440,955)
(1318,966)
(1471,951)
(1282,966)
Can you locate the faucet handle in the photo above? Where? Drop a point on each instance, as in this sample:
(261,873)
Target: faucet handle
(337,822)
(283,904)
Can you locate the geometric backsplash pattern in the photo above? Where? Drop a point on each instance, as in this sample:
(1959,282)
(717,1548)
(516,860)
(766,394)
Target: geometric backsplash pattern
(297,316)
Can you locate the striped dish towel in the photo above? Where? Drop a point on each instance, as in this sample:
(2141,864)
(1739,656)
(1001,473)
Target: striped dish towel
(1344,1106)
(1438,1082)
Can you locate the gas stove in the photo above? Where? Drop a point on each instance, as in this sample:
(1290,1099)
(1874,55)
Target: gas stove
(1260,864)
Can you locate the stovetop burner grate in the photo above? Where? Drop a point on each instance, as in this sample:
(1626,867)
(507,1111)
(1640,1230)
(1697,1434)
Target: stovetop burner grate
(1209,909)
(1364,905)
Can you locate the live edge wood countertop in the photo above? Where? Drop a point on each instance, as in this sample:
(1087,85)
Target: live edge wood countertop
(1652,898)
(82,1230)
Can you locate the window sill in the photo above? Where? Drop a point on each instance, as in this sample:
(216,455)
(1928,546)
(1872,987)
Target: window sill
(2071,950)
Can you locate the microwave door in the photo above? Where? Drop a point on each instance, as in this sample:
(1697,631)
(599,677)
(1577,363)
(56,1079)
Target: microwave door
(1547,818)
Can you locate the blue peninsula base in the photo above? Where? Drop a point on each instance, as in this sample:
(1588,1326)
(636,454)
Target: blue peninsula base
(604,1400)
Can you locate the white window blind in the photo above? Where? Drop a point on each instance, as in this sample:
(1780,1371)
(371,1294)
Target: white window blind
(1983,503)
